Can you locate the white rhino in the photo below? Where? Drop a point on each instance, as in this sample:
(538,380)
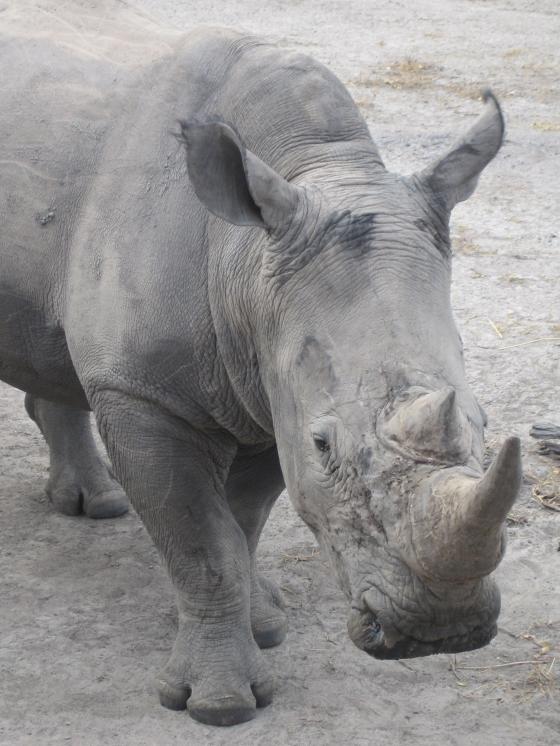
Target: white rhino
(248,300)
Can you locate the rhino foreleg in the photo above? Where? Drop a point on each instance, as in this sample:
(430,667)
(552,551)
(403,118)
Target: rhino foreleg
(175,477)
(253,486)
(79,480)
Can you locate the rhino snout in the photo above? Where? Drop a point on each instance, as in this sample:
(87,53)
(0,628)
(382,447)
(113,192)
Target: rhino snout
(453,629)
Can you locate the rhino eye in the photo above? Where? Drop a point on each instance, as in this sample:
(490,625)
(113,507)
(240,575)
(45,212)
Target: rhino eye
(321,444)
(402,396)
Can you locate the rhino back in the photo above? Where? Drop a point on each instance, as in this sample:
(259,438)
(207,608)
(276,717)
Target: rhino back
(66,79)
(54,111)
(288,108)
(63,89)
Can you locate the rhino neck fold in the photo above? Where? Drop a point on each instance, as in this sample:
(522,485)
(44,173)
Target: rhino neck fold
(343,163)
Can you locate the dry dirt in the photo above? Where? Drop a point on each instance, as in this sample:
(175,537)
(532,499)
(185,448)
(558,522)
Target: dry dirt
(86,614)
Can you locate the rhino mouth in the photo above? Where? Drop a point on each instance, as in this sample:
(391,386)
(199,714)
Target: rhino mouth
(389,643)
(409,647)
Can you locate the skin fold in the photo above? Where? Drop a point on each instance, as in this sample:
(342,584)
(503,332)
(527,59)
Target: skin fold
(206,250)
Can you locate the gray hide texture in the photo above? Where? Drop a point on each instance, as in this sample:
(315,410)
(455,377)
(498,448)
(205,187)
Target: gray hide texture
(207,251)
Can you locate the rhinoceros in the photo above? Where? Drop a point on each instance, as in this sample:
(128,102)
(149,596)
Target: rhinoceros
(207,252)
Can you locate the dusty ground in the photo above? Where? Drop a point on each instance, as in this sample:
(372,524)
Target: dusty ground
(86,614)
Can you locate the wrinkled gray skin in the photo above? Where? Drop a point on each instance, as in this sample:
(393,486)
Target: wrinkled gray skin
(272,309)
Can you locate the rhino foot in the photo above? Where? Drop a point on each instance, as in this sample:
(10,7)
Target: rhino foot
(219,681)
(79,481)
(93,492)
(268,618)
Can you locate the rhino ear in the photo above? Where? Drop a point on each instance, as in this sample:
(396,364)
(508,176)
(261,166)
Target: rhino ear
(453,177)
(232,182)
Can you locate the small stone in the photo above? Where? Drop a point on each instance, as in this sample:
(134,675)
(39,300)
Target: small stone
(46,217)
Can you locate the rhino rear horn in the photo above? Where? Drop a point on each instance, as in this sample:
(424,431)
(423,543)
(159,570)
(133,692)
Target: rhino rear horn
(433,425)
(234,183)
(454,176)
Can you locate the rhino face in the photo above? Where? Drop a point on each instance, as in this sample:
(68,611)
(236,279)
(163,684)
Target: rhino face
(379,436)
(386,470)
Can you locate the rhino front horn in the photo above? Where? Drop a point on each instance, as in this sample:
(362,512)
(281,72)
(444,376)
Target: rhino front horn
(498,488)
(459,520)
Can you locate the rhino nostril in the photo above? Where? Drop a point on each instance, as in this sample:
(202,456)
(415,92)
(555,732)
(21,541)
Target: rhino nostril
(374,633)
(365,631)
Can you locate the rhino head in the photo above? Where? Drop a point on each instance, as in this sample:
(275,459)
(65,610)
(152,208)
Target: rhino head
(361,365)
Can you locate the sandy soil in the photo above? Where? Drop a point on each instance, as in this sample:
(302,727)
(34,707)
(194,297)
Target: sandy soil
(86,611)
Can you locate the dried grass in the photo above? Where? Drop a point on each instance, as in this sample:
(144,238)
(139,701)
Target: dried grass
(542,679)
(516,518)
(512,53)
(513,279)
(509,664)
(301,557)
(512,676)
(408,74)
(547,490)
(469,91)
(530,342)
(530,79)
(462,243)
(499,331)
(543,126)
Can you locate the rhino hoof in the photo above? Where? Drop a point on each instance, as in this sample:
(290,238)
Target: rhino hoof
(230,709)
(223,710)
(70,497)
(271,634)
(222,713)
(106,505)
(172,697)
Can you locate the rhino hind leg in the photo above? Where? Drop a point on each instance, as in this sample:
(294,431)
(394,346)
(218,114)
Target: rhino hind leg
(79,481)
(252,488)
